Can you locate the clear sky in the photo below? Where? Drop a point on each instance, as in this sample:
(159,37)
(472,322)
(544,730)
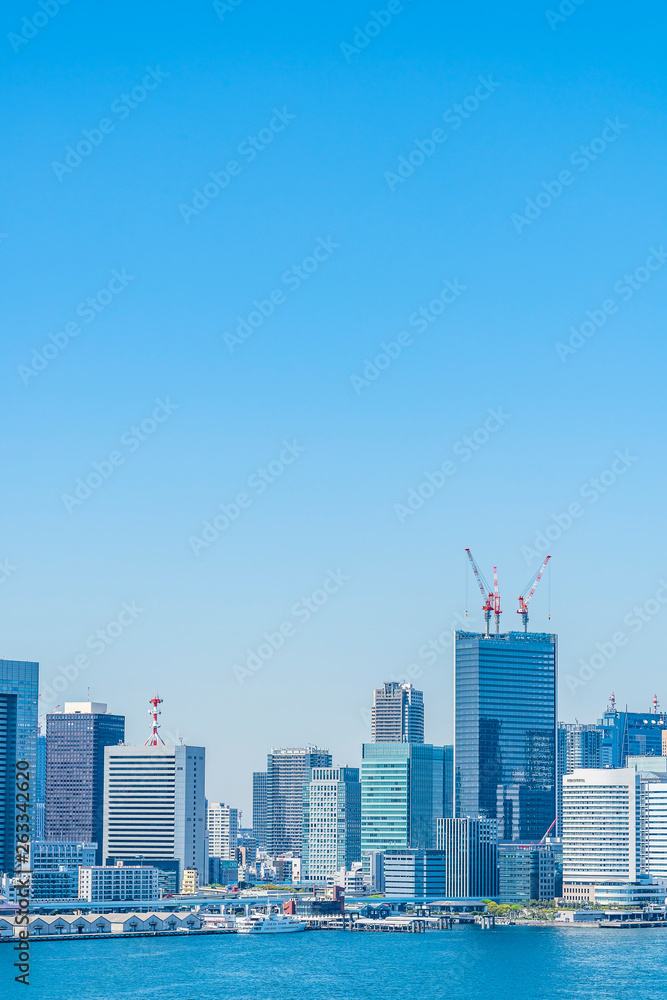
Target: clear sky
(213,216)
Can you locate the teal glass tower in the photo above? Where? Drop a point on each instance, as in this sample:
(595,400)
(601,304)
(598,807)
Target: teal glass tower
(19,682)
(505,731)
(402,791)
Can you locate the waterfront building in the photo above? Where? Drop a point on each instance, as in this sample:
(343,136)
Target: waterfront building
(413,872)
(75,742)
(19,683)
(398,714)
(375,865)
(630,734)
(505,730)
(654,825)
(287,770)
(470,847)
(526,872)
(401,796)
(602,837)
(118,884)
(259,785)
(154,810)
(331,822)
(222,823)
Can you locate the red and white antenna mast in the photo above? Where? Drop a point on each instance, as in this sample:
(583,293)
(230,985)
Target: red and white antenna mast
(655,704)
(155,739)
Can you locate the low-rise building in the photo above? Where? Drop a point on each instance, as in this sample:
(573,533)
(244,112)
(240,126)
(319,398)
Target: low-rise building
(190,883)
(118,883)
(414,872)
(526,872)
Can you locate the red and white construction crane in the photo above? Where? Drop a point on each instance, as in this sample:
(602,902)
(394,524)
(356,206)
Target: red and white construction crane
(490,601)
(525,600)
(155,739)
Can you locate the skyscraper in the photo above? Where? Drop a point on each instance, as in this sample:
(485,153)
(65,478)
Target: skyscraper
(259,780)
(629,734)
(579,745)
(19,683)
(505,731)
(398,714)
(154,809)
(40,788)
(222,823)
(287,770)
(75,742)
(402,786)
(331,821)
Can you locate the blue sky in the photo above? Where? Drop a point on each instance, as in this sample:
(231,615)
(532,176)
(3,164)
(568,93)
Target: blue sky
(540,199)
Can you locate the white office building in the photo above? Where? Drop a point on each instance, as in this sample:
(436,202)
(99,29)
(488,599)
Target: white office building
(654,827)
(154,810)
(222,823)
(118,884)
(331,822)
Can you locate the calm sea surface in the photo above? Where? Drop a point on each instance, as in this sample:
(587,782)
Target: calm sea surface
(509,963)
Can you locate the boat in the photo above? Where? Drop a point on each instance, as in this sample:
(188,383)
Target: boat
(268,923)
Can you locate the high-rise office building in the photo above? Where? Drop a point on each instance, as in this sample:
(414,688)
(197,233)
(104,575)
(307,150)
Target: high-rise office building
(505,731)
(470,847)
(259,780)
(222,823)
(75,742)
(287,770)
(40,787)
(630,734)
(154,810)
(602,827)
(19,683)
(402,786)
(448,776)
(331,822)
(398,714)
(579,745)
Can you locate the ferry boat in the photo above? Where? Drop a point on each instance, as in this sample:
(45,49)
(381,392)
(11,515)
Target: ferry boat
(268,923)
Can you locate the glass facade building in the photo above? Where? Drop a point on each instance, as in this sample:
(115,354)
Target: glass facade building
(19,683)
(470,847)
(331,822)
(287,770)
(75,742)
(402,792)
(505,730)
(630,734)
(259,779)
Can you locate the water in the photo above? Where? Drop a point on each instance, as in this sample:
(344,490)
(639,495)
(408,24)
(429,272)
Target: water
(508,963)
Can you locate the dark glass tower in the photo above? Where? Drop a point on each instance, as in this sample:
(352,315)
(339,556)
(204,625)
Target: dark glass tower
(75,742)
(505,740)
(19,682)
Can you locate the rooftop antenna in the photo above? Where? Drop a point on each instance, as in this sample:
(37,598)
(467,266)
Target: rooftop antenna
(155,739)
(612,702)
(655,704)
